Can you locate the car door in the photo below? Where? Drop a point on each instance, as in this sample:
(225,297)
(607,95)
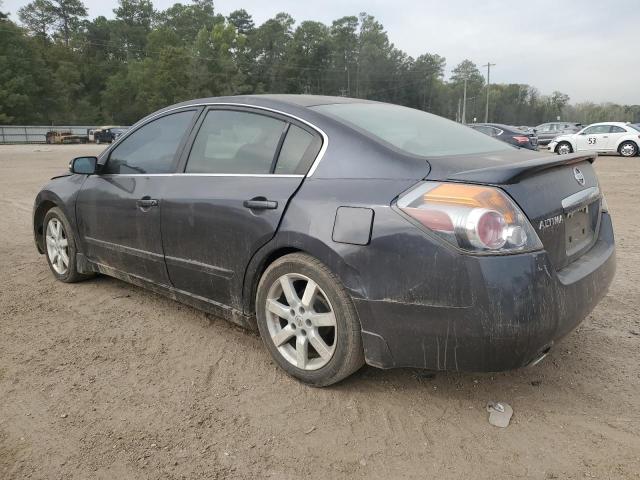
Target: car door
(118,210)
(239,173)
(546,132)
(594,138)
(615,136)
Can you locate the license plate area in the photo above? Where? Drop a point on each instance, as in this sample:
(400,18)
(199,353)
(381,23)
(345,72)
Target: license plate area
(579,229)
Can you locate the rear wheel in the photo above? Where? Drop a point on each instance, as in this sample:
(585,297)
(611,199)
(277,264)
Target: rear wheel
(628,149)
(563,148)
(60,247)
(307,321)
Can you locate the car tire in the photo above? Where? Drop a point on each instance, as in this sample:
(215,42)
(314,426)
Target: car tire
(315,335)
(564,148)
(628,149)
(61,244)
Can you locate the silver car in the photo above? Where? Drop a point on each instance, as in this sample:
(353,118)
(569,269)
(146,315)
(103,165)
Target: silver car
(548,131)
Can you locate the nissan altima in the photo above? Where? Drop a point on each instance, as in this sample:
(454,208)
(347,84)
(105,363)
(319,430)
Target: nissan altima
(345,231)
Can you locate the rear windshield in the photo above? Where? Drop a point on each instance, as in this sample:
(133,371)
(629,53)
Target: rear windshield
(413,131)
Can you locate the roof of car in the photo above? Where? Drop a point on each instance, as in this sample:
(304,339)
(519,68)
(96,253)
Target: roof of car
(288,99)
(497,125)
(619,124)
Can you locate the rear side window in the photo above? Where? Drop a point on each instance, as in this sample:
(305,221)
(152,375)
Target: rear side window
(151,148)
(298,151)
(485,130)
(235,143)
(597,129)
(412,131)
(616,129)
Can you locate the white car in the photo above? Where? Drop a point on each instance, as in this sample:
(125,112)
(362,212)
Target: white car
(604,137)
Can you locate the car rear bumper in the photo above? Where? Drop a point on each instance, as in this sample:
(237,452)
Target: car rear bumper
(519,308)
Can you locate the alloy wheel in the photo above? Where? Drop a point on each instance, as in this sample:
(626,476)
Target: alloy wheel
(57,246)
(564,149)
(628,150)
(301,321)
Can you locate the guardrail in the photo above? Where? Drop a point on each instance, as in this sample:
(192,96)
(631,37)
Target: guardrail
(36,133)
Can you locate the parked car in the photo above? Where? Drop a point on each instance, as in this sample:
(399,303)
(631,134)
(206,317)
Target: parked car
(605,137)
(508,134)
(91,132)
(548,131)
(347,231)
(108,134)
(64,137)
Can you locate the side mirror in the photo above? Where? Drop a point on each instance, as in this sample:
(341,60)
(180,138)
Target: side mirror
(582,133)
(83,165)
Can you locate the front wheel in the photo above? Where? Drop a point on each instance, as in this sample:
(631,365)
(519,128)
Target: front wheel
(307,321)
(60,247)
(564,148)
(628,149)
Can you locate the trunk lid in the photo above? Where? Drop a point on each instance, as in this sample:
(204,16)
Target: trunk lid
(559,195)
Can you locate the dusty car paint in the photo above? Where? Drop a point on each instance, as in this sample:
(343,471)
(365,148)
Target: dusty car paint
(420,302)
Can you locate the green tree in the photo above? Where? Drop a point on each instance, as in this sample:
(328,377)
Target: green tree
(23,78)
(373,50)
(343,51)
(270,44)
(308,58)
(428,70)
(70,69)
(133,24)
(187,20)
(242,21)
(38,17)
(67,15)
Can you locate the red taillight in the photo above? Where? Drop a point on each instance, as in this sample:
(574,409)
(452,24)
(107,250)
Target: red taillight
(489,230)
(520,139)
(475,218)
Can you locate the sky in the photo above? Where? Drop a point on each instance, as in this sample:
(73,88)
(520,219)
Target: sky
(577,47)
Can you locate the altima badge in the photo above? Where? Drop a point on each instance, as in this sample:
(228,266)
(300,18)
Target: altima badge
(550,222)
(578,176)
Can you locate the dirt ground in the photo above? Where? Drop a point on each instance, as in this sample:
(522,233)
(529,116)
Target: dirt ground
(104,380)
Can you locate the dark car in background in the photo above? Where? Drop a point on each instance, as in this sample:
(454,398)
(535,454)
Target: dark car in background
(347,231)
(508,134)
(548,131)
(108,135)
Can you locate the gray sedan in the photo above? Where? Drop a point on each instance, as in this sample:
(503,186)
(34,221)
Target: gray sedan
(345,231)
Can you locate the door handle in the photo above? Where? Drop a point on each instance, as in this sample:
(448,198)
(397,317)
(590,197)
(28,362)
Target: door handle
(260,204)
(146,202)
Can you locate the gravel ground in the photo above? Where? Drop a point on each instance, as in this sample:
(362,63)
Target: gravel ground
(104,380)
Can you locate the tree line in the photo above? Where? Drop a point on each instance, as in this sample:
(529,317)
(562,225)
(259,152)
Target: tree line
(59,67)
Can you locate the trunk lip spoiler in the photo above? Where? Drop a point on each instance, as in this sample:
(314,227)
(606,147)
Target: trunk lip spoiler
(514,172)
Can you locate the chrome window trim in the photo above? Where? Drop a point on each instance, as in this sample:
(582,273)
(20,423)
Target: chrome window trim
(176,174)
(312,169)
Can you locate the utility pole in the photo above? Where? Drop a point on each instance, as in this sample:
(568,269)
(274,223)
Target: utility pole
(346,69)
(464,102)
(486,112)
